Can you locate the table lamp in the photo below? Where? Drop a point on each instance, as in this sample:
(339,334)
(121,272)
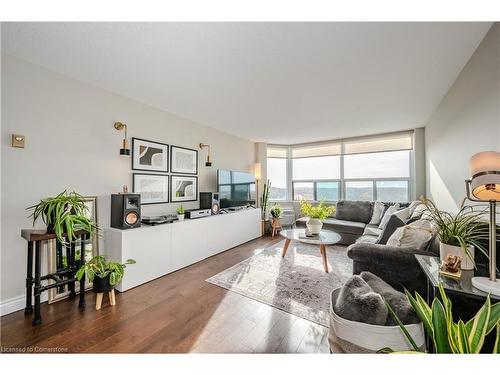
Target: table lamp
(484,186)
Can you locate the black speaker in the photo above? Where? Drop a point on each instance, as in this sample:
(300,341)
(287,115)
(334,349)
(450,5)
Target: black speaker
(211,201)
(125,211)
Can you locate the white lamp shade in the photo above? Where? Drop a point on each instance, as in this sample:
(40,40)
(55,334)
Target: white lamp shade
(485,171)
(258,171)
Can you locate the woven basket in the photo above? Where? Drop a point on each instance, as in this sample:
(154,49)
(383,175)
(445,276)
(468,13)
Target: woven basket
(346,336)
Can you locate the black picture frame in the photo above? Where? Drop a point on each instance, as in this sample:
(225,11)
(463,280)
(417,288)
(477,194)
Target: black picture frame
(166,152)
(144,201)
(195,195)
(172,168)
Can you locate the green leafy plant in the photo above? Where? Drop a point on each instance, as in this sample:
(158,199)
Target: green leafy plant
(181,210)
(264,200)
(321,211)
(446,335)
(464,229)
(276,211)
(98,266)
(63,214)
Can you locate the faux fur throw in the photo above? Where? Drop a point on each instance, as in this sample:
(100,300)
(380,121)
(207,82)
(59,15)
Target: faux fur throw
(358,302)
(398,301)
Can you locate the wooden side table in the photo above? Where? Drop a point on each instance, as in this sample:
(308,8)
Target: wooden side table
(64,275)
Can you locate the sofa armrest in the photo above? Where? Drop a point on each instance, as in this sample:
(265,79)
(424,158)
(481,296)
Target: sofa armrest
(388,255)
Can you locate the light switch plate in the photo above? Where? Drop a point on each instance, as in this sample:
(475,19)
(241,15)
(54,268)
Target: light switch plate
(18,140)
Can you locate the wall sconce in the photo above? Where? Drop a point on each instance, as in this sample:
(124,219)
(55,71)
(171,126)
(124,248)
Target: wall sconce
(208,163)
(125,150)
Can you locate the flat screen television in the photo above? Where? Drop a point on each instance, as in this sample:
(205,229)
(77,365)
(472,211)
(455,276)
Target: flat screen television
(235,188)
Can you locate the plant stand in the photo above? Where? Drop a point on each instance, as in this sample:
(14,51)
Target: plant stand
(63,275)
(276,226)
(99,297)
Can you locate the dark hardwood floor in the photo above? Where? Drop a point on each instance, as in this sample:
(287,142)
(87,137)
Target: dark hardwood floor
(177,313)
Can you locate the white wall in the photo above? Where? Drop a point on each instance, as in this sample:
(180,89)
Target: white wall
(71,144)
(466,122)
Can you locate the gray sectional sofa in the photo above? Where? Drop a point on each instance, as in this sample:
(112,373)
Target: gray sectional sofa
(396,265)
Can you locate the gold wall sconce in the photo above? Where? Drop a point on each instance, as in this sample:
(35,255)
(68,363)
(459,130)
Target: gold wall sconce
(208,163)
(125,150)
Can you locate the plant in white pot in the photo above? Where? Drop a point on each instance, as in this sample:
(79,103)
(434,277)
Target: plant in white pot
(315,215)
(458,234)
(181,212)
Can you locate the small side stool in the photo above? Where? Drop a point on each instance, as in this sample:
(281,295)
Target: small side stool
(276,226)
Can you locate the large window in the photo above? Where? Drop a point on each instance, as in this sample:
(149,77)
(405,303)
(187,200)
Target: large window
(368,168)
(277,172)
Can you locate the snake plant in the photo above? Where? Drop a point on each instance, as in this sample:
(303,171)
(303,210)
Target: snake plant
(64,214)
(447,336)
(98,266)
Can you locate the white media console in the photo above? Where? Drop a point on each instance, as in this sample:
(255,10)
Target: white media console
(164,248)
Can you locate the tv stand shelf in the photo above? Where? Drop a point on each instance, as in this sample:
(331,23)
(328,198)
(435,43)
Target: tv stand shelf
(165,248)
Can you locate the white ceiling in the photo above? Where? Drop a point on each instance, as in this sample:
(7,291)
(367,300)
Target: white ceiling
(274,82)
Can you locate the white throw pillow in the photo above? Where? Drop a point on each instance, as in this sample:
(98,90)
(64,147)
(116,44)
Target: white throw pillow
(413,205)
(378,211)
(415,235)
(418,211)
(387,215)
(403,214)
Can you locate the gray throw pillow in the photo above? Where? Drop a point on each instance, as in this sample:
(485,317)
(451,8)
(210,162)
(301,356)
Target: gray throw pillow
(391,226)
(398,301)
(358,302)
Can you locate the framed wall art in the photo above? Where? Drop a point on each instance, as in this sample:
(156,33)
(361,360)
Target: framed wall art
(149,155)
(183,160)
(183,188)
(153,188)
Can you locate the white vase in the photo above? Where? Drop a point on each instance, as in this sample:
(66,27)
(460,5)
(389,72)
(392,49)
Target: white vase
(314,225)
(180,217)
(467,261)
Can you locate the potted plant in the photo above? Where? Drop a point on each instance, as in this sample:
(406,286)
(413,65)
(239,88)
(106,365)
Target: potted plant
(264,201)
(447,335)
(103,274)
(315,214)
(180,213)
(276,211)
(63,214)
(458,234)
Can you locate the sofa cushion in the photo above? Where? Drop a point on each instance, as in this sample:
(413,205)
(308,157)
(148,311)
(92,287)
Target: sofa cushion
(391,210)
(372,230)
(366,238)
(344,226)
(360,211)
(377,213)
(394,223)
(416,235)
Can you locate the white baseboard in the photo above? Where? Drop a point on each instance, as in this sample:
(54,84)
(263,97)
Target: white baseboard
(16,303)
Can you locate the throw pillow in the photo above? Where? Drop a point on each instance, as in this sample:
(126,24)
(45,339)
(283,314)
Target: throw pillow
(418,210)
(415,235)
(359,303)
(378,211)
(403,214)
(387,215)
(395,299)
(394,223)
(413,205)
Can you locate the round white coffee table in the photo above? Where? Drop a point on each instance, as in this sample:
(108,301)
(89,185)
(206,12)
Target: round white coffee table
(325,238)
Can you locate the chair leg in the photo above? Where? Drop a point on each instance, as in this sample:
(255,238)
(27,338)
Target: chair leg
(112,300)
(98,300)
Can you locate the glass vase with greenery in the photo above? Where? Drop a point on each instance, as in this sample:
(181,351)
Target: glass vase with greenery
(64,214)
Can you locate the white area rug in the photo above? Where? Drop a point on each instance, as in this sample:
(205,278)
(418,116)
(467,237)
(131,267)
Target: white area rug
(296,284)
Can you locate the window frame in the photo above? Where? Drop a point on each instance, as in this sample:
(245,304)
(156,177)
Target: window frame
(290,193)
(315,182)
